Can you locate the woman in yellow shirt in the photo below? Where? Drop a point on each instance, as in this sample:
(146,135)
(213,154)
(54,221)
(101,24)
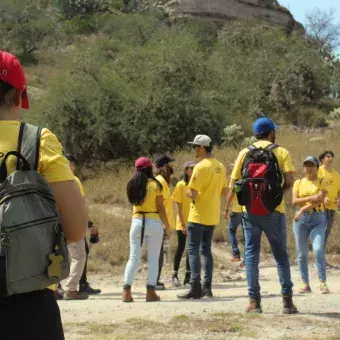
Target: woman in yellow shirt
(183,207)
(145,194)
(35,315)
(311,223)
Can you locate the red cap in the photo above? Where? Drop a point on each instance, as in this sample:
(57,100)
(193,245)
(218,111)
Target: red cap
(143,163)
(11,72)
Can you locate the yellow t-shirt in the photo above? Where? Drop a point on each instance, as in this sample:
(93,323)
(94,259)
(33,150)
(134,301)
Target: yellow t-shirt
(168,204)
(149,204)
(304,187)
(283,157)
(235,207)
(209,179)
(180,196)
(333,179)
(80,185)
(53,166)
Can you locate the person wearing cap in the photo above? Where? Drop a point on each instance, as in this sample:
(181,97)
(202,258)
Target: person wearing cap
(273,224)
(183,206)
(332,200)
(207,184)
(164,171)
(310,191)
(35,315)
(149,224)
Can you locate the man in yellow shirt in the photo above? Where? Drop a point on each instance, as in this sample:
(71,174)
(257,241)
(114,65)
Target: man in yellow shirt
(332,199)
(207,184)
(272,224)
(164,165)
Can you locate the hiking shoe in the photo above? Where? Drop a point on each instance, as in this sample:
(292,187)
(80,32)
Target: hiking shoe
(151,295)
(254,306)
(235,259)
(186,279)
(75,296)
(126,294)
(175,281)
(288,306)
(86,288)
(206,290)
(323,288)
(305,288)
(58,295)
(160,286)
(195,292)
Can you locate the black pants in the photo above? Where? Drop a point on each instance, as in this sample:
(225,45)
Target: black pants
(83,279)
(30,316)
(182,238)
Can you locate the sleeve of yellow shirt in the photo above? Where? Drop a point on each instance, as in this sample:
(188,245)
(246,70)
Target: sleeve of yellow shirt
(287,163)
(296,185)
(324,184)
(236,173)
(80,185)
(197,179)
(178,193)
(53,165)
(158,190)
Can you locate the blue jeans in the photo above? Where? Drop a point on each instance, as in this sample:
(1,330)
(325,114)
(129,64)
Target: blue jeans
(235,221)
(274,227)
(199,240)
(153,237)
(311,224)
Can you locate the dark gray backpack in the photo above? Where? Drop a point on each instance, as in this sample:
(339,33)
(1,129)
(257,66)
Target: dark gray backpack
(33,252)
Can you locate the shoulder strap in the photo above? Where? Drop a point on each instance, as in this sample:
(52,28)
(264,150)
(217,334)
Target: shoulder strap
(252,147)
(29,144)
(271,147)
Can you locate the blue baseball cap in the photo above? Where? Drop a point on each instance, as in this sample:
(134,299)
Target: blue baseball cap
(264,125)
(311,159)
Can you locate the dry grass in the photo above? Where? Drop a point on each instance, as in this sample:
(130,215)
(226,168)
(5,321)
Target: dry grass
(106,192)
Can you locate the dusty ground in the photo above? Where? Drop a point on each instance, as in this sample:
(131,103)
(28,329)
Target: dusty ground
(106,317)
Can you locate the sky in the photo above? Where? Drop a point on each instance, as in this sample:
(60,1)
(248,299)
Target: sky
(299,8)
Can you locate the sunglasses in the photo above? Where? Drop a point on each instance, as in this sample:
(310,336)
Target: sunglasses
(195,146)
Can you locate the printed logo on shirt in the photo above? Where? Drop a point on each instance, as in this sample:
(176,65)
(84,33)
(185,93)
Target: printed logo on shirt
(194,179)
(218,170)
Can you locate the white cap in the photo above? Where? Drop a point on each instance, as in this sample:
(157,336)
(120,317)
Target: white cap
(201,140)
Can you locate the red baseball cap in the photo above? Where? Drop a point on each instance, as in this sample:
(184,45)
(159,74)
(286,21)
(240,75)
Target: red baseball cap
(11,72)
(143,163)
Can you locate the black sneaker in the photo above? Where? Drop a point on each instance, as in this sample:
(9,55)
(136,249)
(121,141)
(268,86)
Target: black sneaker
(86,288)
(195,292)
(186,279)
(160,286)
(206,290)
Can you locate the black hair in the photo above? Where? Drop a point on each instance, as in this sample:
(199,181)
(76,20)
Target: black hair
(71,158)
(263,135)
(208,149)
(137,186)
(5,88)
(323,155)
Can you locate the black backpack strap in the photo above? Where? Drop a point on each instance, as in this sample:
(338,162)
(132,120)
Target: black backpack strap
(29,144)
(252,147)
(271,147)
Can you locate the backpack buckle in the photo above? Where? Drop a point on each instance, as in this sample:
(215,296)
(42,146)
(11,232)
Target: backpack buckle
(6,239)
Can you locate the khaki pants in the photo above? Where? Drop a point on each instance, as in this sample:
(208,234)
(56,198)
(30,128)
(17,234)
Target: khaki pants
(77,257)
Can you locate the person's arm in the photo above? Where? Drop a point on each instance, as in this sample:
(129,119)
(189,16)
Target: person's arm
(72,210)
(162,214)
(181,217)
(288,180)
(192,193)
(317,199)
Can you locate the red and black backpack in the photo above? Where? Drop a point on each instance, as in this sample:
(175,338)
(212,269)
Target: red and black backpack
(260,189)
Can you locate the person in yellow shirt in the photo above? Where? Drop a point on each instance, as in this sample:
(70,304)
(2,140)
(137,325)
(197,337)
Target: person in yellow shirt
(332,200)
(149,224)
(272,224)
(311,223)
(164,171)
(36,315)
(207,184)
(183,206)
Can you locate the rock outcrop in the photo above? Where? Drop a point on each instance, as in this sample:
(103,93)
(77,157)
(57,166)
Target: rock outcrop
(221,10)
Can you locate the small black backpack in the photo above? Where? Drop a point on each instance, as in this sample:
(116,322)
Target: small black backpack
(260,189)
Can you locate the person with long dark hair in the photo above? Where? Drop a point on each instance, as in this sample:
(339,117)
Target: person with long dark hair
(149,222)
(183,207)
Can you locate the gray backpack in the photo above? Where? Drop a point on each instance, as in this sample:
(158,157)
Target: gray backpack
(33,252)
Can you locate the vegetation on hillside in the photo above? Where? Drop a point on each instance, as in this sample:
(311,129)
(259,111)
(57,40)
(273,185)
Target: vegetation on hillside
(114,83)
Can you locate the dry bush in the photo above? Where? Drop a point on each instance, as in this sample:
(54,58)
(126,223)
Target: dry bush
(106,191)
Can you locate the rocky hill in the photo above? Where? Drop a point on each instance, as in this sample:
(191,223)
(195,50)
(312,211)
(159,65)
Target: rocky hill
(221,10)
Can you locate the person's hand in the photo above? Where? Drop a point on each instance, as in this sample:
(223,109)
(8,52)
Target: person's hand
(316,199)
(226,215)
(167,233)
(326,200)
(94,230)
(184,229)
